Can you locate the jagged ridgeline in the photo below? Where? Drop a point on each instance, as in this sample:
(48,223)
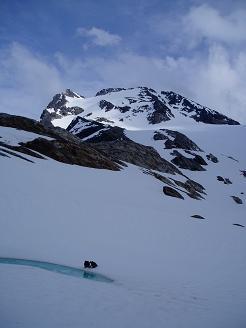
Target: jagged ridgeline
(140,107)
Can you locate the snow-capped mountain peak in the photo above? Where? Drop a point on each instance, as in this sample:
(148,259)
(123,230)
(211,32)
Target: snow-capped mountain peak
(131,108)
(59,106)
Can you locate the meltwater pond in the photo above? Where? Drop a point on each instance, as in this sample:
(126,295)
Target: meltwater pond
(58,268)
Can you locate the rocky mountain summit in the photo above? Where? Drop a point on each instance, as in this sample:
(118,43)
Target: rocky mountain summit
(133,108)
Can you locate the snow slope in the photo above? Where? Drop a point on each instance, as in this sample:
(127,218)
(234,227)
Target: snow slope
(13,137)
(169,270)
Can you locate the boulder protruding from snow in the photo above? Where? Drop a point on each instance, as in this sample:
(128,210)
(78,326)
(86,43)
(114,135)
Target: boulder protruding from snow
(175,139)
(212,158)
(192,164)
(197,216)
(169,191)
(237,199)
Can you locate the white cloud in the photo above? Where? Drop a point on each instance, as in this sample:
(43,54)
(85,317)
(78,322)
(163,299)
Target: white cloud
(27,81)
(205,22)
(216,79)
(99,36)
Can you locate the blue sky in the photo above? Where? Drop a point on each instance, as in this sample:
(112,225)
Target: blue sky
(193,47)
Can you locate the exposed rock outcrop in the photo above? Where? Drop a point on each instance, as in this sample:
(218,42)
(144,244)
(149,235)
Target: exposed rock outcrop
(183,162)
(169,191)
(237,199)
(197,216)
(196,111)
(212,158)
(63,146)
(134,153)
(175,139)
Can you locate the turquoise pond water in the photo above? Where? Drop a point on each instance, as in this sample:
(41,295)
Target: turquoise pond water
(58,268)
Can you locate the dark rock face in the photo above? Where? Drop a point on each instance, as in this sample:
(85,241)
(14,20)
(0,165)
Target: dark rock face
(108,90)
(197,216)
(169,191)
(71,94)
(63,147)
(131,152)
(123,109)
(238,225)
(196,111)
(199,159)
(225,180)
(84,128)
(57,107)
(183,162)
(106,105)
(193,185)
(212,158)
(237,199)
(111,134)
(160,114)
(159,136)
(71,153)
(175,139)
(189,187)
(193,189)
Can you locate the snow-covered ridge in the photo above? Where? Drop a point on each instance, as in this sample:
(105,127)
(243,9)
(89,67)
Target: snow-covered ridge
(138,108)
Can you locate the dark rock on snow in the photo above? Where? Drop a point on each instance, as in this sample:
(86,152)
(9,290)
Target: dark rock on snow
(169,191)
(192,188)
(175,139)
(197,216)
(131,152)
(237,199)
(183,162)
(212,158)
(196,111)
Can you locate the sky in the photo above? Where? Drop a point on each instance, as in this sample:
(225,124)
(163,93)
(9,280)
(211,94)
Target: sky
(192,47)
